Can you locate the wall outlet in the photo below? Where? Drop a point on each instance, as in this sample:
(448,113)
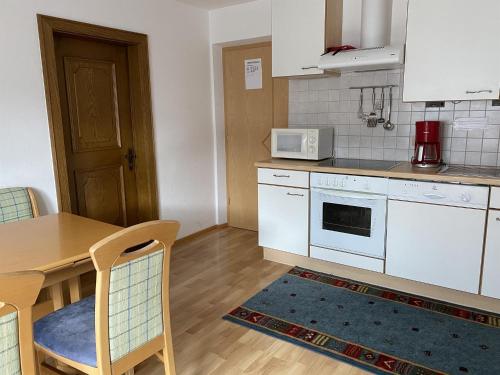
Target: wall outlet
(434,104)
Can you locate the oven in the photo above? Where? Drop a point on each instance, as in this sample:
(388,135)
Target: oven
(348,213)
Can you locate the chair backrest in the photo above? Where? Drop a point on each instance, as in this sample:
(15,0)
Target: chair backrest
(18,293)
(132,294)
(17,203)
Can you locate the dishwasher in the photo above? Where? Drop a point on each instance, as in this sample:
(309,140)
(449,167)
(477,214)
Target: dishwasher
(435,233)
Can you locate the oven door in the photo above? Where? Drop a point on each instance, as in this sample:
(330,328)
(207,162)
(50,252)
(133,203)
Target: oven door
(289,143)
(348,221)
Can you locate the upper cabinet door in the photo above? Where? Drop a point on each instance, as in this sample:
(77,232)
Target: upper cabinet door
(452,50)
(301,31)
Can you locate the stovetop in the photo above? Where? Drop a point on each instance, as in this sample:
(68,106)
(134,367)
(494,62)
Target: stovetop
(375,165)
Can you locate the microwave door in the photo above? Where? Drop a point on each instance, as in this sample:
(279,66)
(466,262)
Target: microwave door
(290,145)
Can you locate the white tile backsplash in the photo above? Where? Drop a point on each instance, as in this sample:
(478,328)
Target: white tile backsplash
(328,102)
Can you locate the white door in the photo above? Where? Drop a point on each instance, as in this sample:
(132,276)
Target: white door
(491,270)
(284,218)
(452,50)
(435,244)
(298,33)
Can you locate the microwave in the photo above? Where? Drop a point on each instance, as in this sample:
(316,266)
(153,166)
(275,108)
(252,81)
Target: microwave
(307,144)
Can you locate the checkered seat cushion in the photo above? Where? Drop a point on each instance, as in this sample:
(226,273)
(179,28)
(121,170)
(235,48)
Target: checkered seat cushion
(9,345)
(15,205)
(135,315)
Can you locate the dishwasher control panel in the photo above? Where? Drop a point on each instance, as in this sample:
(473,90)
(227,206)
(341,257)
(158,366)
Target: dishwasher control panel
(439,193)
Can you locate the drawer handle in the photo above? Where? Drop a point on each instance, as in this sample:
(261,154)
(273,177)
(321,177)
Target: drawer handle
(478,91)
(281,176)
(309,67)
(301,195)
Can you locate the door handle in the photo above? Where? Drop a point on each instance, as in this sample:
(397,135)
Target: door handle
(130,158)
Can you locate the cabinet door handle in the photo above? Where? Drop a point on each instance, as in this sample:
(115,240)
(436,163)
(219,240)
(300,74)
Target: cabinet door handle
(281,176)
(478,91)
(298,195)
(310,67)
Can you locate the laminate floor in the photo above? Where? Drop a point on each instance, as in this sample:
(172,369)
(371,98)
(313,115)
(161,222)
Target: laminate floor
(211,275)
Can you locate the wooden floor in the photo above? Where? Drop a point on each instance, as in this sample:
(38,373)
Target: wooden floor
(210,276)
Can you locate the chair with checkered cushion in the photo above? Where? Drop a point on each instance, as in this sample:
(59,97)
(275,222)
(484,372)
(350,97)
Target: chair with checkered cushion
(128,320)
(18,293)
(17,204)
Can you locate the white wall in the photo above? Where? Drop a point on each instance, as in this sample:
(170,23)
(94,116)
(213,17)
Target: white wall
(181,92)
(241,22)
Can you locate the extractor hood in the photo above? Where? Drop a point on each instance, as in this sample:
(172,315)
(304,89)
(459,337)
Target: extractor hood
(376,51)
(390,57)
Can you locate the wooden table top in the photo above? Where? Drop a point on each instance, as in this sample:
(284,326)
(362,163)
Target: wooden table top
(49,242)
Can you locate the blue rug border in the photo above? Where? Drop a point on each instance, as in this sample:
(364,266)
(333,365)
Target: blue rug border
(312,348)
(451,304)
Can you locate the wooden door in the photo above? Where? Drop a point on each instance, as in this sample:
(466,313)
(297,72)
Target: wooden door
(94,87)
(249,116)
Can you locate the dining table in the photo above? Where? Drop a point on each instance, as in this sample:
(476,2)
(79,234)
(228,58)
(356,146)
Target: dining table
(57,245)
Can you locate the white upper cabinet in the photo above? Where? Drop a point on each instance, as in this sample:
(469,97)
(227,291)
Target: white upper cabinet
(301,32)
(452,50)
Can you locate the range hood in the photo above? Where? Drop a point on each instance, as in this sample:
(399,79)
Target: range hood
(376,52)
(363,59)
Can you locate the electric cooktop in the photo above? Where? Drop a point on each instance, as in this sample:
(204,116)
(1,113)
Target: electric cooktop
(375,165)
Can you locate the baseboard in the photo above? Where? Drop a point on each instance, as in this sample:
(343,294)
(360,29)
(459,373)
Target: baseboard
(391,282)
(194,236)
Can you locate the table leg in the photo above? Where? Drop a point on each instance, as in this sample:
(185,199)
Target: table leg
(75,289)
(130,372)
(56,293)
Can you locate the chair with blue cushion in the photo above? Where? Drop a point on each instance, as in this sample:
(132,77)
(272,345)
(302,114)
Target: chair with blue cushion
(128,319)
(17,204)
(18,293)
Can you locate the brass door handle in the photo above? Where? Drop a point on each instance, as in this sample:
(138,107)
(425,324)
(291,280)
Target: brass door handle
(130,158)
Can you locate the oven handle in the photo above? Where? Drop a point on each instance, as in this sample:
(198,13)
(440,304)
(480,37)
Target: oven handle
(350,194)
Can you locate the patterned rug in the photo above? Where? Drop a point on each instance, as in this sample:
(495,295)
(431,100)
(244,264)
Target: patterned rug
(379,330)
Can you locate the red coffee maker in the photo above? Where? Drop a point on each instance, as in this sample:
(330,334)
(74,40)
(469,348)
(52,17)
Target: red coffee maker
(427,145)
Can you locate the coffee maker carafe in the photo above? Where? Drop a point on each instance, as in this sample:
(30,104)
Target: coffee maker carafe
(427,144)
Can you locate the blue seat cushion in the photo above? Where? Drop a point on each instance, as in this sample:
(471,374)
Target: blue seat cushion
(70,332)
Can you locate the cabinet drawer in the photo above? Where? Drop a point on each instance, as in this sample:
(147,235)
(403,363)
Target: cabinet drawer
(283,177)
(495,198)
(348,259)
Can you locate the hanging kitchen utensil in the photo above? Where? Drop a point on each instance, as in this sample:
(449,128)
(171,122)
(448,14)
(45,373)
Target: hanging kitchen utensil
(372,117)
(381,119)
(361,113)
(389,125)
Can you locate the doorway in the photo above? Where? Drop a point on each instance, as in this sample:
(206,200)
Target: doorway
(251,111)
(99,105)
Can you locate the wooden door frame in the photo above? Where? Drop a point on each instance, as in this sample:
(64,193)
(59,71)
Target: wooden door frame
(280,106)
(140,101)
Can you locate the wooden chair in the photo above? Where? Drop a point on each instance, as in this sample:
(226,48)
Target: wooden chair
(128,320)
(18,293)
(17,204)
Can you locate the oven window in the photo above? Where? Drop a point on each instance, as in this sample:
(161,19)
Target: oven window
(347,219)
(289,142)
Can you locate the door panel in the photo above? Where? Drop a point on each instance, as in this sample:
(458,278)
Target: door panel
(101,195)
(95,96)
(93,104)
(249,117)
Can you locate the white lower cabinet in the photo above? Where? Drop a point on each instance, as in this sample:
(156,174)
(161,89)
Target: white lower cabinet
(433,245)
(284,218)
(491,270)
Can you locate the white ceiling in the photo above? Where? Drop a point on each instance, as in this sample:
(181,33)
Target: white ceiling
(214,4)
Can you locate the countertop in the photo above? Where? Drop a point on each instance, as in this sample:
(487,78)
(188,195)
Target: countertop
(404,170)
